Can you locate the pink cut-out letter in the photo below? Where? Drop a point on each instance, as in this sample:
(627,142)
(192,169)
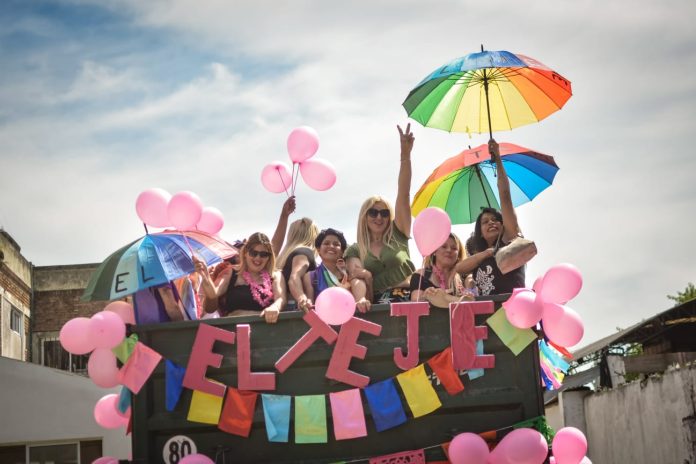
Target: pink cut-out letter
(347,348)
(464,333)
(318,329)
(202,356)
(246,380)
(413,311)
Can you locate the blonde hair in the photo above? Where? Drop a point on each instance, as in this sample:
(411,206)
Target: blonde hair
(455,280)
(257,238)
(364,232)
(301,233)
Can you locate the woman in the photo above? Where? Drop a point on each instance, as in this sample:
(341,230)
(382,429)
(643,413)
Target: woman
(331,272)
(255,289)
(379,264)
(493,229)
(297,257)
(438,282)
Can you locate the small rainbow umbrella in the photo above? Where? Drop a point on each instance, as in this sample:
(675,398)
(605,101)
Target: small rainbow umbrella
(514,90)
(465,183)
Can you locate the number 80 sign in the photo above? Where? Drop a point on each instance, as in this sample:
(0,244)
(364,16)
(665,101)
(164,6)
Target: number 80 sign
(177,448)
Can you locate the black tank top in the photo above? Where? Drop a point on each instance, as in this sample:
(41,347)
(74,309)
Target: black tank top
(490,281)
(239,297)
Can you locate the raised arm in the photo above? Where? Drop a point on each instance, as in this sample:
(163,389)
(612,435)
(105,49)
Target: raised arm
(282,227)
(402,213)
(510,225)
(210,289)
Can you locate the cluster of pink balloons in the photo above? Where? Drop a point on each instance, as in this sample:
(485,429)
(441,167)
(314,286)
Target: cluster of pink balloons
(569,446)
(196,459)
(546,302)
(521,446)
(318,174)
(335,306)
(183,210)
(107,414)
(98,335)
(431,228)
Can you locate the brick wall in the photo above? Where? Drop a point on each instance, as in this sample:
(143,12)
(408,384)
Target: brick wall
(14,286)
(54,308)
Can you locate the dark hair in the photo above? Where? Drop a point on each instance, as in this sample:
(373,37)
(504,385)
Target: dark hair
(476,242)
(322,235)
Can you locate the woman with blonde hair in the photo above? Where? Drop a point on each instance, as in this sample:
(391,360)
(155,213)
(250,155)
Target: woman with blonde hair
(379,264)
(298,257)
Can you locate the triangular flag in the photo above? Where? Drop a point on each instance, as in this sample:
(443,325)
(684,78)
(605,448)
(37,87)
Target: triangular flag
(441,364)
(514,338)
(238,412)
(173,379)
(124,400)
(310,419)
(276,413)
(125,348)
(348,415)
(419,392)
(385,404)
(139,367)
(205,408)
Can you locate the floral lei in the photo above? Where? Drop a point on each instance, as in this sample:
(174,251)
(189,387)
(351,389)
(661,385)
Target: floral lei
(443,284)
(265,288)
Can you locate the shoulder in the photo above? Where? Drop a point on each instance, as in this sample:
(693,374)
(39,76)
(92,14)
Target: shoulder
(277,275)
(352,251)
(399,235)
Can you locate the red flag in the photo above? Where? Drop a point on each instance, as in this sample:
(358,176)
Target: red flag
(238,412)
(441,364)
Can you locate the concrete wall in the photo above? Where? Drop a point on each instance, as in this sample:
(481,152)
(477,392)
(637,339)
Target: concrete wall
(645,422)
(41,404)
(15,291)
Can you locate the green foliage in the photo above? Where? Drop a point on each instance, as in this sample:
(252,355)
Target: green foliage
(688,294)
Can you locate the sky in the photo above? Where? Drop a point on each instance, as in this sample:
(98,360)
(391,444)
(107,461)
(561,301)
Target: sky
(102,99)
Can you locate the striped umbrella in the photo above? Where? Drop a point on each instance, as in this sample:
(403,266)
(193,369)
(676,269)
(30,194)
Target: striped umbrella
(151,261)
(465,183)
(487,91)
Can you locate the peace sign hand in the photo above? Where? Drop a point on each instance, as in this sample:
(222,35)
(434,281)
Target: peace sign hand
(406,137)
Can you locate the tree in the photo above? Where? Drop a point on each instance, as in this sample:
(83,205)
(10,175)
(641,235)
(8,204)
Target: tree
(688,294)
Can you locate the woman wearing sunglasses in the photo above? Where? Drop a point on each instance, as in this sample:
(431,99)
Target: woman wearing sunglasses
(379,264)
(257,288)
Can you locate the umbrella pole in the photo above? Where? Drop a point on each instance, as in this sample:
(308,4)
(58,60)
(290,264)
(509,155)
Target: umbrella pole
(488,106)
(483,187)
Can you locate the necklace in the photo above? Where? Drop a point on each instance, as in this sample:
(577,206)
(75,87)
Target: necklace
(440,276)
(265,288)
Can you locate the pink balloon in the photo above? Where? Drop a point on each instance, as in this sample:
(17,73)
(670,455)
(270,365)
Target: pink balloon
(106,329)
(102,368)
(196,459)
(106,412)
(562,283)
(538,284)
(562,325)
(151,206)
(523,309)
(106,460)
(74,336)
(123,309)
(585,460)
(431,228)
(552,460)
(184,210)
(319,174)
(569,446)
(468,448)
(211,220)
(276,177)
(335,305)
(303,143)
(524,446)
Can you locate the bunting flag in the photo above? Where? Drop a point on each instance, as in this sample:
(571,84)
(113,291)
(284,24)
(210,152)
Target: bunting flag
(139,367)
(419,392)
(310,419)
(276,412)
(348,415)
(476,373)
(404,457)
(514,338)
(125,348)
(205,408)
(124,400)
(441,364)
(238,412)
(188,299)
(385,404)
(173,379)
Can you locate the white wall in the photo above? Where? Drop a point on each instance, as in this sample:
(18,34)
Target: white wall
(43,404)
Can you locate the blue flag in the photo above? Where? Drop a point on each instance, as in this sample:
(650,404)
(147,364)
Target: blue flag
(174,378)
(276,412)
(385,404)
(124,400)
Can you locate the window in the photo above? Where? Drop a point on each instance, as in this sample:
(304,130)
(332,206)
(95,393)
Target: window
(53,355)
(16,317)
(83,452)
(53,454)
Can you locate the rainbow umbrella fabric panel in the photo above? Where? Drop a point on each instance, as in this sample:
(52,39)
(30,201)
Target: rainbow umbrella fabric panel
(467,182)
(521,91)
(150,261)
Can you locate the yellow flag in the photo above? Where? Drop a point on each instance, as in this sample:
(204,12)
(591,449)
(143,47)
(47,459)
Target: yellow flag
(205,408)
(420,394)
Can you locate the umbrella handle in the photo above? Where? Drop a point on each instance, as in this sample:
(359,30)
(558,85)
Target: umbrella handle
(488,106)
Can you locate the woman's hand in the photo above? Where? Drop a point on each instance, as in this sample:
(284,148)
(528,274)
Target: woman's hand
(200,267)
(304,303)
(406,138)
(494,149)
(363,305)
(288,207)
(271,314)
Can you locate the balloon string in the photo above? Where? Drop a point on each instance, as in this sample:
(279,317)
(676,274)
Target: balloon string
(420,280)
(282,181)
(296,176)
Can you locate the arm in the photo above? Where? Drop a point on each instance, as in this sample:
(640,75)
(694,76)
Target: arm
(270,313)
(416,292)
(210,289)
(305,301)
(279,234)
(300,265)
(402,213)
(470,263)
(510,227)
(360,284)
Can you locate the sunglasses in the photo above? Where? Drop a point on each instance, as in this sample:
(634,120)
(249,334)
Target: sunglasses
(262,254)
(373,213)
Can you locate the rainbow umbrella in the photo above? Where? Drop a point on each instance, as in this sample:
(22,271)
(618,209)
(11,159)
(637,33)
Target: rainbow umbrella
(151,261)
(514,90)
(465,183)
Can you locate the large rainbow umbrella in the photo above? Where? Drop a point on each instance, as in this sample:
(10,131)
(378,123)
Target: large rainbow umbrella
(153,260)
(487,91)
(467,182)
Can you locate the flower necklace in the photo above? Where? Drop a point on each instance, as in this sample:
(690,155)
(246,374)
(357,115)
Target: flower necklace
(257,289)
(443,285)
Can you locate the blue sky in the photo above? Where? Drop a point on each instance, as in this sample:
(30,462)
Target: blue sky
(100,100)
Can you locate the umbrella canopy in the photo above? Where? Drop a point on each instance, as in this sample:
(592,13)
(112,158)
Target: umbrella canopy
(153,260)
(465,183)
(487,91)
